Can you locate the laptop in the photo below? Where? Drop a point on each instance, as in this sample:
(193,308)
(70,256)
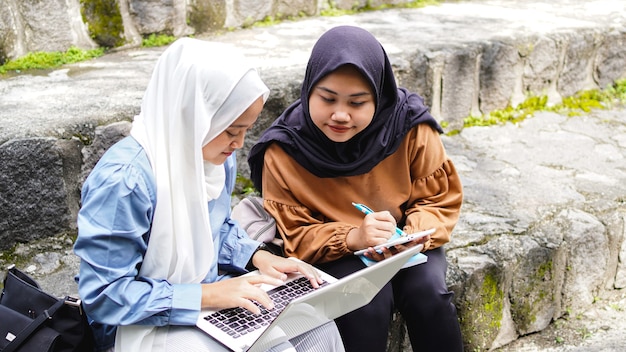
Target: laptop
(302,311)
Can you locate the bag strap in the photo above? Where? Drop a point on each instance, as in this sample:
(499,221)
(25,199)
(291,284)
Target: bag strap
(257,202)
(33,326)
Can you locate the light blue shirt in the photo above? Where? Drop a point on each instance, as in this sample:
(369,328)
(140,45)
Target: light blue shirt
(118,202)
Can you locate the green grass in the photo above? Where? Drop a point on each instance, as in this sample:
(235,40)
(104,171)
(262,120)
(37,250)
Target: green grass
(42,60)
(50,60)
(578,104)
(46,60)
(154,40)
(333,11)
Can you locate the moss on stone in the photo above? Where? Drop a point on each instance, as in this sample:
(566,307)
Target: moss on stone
(492,301)
(84,139)
(154,40)
(207,15)
(532,296)
(580,103)
(481,315)
(332,11)
(104,22)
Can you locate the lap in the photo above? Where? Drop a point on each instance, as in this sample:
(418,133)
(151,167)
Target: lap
(190,339)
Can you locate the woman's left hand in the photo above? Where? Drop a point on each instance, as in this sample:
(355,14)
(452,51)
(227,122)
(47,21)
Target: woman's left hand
(391,251)
(278,267)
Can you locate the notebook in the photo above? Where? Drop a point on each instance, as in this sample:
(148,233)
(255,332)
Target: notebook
(303,311)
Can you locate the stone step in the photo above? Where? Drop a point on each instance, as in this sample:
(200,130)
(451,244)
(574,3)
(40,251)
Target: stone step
(542,225)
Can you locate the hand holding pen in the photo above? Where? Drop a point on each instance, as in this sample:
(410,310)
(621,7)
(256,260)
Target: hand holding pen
(393,241)
(366,210)
(377,228)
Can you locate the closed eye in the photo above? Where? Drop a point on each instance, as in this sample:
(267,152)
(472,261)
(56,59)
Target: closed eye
(326,99)
(232,133)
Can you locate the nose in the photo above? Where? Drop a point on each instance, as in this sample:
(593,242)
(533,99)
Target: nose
(238,141)
(340,115)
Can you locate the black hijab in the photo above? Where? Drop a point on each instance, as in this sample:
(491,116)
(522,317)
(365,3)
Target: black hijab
(397,111)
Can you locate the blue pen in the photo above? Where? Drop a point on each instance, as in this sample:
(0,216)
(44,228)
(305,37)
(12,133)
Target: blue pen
(365,210)
(367,261)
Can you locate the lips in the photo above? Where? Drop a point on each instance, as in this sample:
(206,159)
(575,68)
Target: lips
(339,129)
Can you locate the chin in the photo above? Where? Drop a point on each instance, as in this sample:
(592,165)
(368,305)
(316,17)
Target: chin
(339,139)
(217,161)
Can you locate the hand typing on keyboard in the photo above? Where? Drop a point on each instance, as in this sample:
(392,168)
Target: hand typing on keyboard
(245,291)
(279,267)
(239,321)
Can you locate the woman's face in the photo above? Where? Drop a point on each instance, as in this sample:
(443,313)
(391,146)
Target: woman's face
(342,104)
(222,146)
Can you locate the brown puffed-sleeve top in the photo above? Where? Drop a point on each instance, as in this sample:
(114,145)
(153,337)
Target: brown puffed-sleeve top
(417,184)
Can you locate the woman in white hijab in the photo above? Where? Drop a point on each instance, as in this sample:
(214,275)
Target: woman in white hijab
(155,237)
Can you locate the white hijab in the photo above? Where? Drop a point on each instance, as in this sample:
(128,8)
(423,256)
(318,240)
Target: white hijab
(196,91)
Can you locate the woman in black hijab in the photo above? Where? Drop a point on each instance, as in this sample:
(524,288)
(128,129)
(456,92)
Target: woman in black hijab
(354,136)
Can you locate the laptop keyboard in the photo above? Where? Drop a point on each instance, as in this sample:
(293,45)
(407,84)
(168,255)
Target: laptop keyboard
(239,321)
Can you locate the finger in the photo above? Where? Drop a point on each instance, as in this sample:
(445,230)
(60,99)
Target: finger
(384,215)
(403,247)
(394,250)
(385,233)
(265,301)
(372,254)
(387,252)
(312,274)
(278,272)
(424,239)
(281,267)
(250,306)
(257,280)
(259,296)
(307,270)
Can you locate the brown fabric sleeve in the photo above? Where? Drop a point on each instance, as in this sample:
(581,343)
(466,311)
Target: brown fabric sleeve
(307,236)
(417,184)
(437,192)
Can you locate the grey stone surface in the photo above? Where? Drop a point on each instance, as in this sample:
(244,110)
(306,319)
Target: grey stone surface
(541,235)
(33,25)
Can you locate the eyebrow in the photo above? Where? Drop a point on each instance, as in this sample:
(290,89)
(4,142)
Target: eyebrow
(238,126)
(335,93)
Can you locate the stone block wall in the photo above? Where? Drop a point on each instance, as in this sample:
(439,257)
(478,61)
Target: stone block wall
(35,25)
(521,254)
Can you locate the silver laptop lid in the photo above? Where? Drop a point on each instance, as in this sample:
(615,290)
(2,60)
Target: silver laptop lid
(332,301)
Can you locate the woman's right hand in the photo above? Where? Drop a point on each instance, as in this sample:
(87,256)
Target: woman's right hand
(375,229)
(239,292)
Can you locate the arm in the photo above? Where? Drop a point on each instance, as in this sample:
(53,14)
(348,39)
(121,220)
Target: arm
(237,252)
(113,225)
(235,248)
(437,192)
(295,199)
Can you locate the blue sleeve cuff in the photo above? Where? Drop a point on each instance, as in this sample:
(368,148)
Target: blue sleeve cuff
(186,303)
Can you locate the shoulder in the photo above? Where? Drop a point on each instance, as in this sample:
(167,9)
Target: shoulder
(424,149)
(123,165)
(423,136)
(277,158)
(424,131)
(275,152)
